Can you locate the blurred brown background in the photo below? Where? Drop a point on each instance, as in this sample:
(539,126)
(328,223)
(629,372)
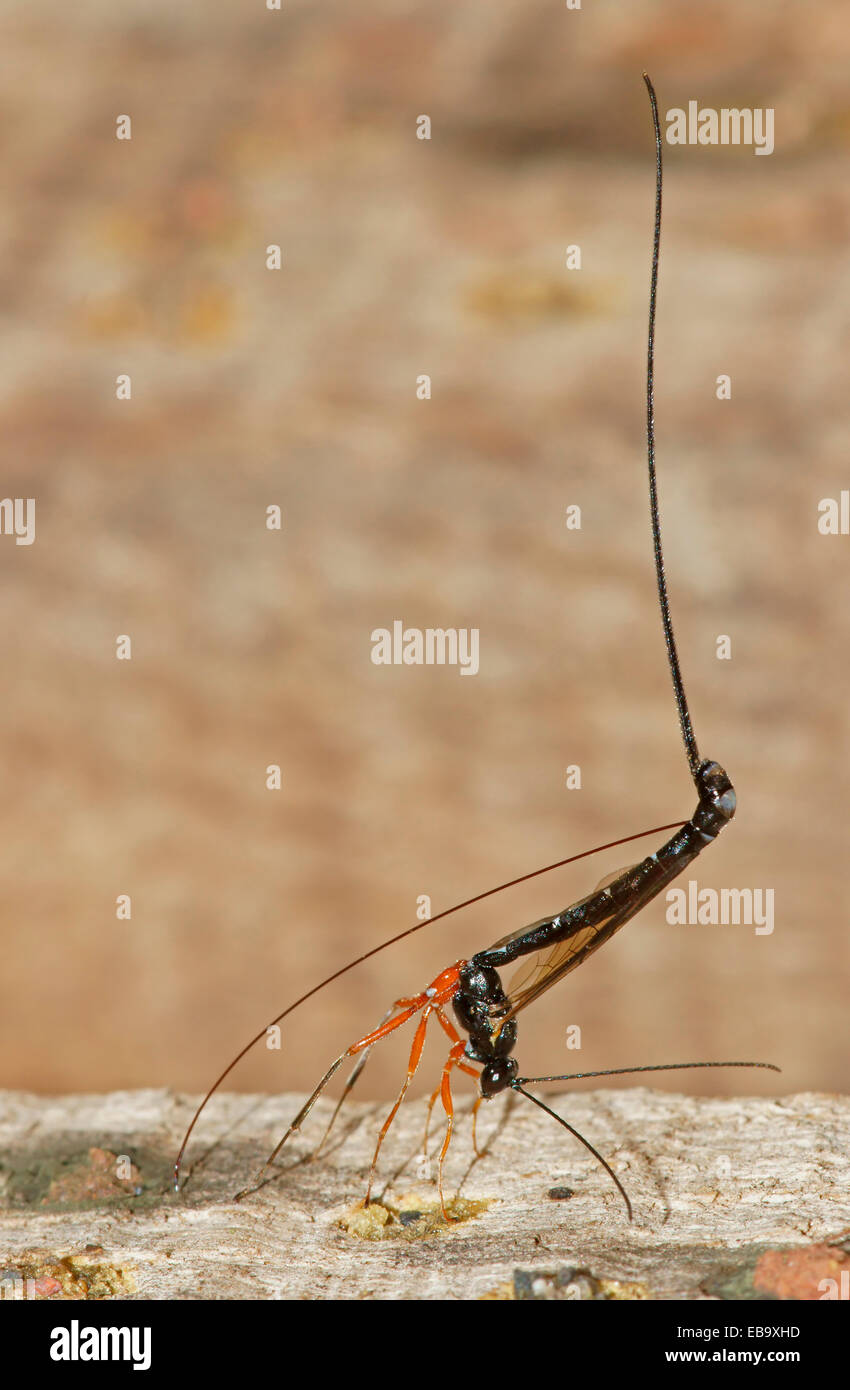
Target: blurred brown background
(252,647)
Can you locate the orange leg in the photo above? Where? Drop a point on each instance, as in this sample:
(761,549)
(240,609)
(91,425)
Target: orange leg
(479,1153)
(470,1071)
(454,1036)
(408,1006)
(363,1048)
(440,991)
(432,1102)
(453,1060)
(413,1063)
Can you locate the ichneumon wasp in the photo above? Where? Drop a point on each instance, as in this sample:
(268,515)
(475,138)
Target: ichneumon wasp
(484,1011)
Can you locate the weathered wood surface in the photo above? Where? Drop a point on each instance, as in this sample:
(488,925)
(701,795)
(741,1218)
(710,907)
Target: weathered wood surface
(715,1185)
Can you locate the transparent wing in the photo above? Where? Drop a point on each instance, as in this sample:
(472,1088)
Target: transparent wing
(544,969)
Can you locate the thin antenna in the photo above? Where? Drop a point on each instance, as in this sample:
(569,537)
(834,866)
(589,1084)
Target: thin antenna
(691,750)
(587,1144)
(628,1071)
(520,1082)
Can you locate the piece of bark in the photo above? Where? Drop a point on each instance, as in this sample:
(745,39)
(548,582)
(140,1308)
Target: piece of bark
(717,1187)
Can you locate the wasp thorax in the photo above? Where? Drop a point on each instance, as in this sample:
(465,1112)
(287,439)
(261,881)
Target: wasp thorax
(481,982)
(480,993)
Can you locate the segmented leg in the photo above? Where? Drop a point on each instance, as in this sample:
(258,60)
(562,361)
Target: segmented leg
(412,1065)
(356,1071)
(452,1060)
(454,1036)
(439,992)
(410,1007)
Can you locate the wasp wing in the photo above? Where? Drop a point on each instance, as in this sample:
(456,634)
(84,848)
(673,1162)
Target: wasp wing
(543,970)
